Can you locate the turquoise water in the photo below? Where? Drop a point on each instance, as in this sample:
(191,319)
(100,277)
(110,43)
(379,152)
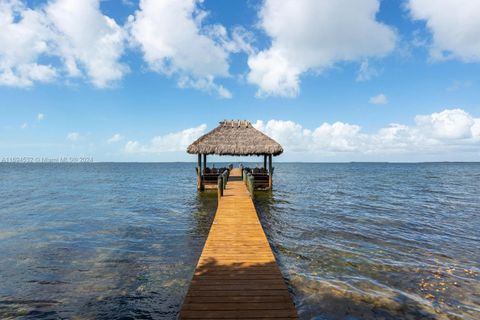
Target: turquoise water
(120,241)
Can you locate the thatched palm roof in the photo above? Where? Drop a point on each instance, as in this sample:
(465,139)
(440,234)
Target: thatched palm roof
(235,138)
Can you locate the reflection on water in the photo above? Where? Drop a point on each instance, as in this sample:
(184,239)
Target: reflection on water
(111,241)
(377,240)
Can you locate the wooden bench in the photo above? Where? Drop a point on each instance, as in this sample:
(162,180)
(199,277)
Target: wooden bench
(212,177)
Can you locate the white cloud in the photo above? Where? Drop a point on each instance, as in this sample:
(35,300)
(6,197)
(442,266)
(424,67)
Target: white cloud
(448,124)
(115,138)
(311,35)
(132,147)
(367,72)
(73,136)
(40,116)
(449,133)
(475,129)
(175,42)
(82,40)
(24,38)
(204,84)
(335,137)
(171,142)
(24,125)
(379,99)
(86,39)
(454,26)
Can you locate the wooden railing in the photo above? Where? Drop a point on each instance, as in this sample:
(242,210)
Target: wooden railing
(249,180)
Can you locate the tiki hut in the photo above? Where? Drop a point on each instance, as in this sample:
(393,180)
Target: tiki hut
(234,138)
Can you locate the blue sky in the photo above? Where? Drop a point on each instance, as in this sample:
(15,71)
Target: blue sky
(330,80)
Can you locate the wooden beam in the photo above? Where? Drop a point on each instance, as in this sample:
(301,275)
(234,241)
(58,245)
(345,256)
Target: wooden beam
(199,173)
(270,171)
(265,161)
(204,161)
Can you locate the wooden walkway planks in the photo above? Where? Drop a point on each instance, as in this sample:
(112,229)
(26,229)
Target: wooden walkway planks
(237,276)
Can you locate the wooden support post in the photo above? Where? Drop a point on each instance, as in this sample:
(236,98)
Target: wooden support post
(204,162)
(270,172)
(199,173)
(225,179)
(220,186)
(251,185)
(265,161)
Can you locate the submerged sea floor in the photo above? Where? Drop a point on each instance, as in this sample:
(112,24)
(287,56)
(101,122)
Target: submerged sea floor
(354,241)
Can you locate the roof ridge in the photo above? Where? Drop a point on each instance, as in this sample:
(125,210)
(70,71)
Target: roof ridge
(236,123)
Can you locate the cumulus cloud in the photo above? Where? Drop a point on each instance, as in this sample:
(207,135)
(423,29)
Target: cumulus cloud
(454,26)
(450,124)
(379,99)
(329,137)
(25,36)
(448,130)
(171,142)
(175,42)
(24,125)
(451,134)
(311,35)
(115,138)
(87,40)
(40,116)
(73,136)
(82,41)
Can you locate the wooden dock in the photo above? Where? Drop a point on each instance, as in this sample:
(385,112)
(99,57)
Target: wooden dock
(237,276)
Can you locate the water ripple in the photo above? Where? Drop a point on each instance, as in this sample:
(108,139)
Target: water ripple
(120,241)
(375,241)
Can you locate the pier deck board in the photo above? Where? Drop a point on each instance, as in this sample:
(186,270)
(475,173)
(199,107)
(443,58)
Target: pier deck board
(237,276)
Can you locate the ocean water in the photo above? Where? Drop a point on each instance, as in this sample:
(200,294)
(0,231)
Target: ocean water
(354,241)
